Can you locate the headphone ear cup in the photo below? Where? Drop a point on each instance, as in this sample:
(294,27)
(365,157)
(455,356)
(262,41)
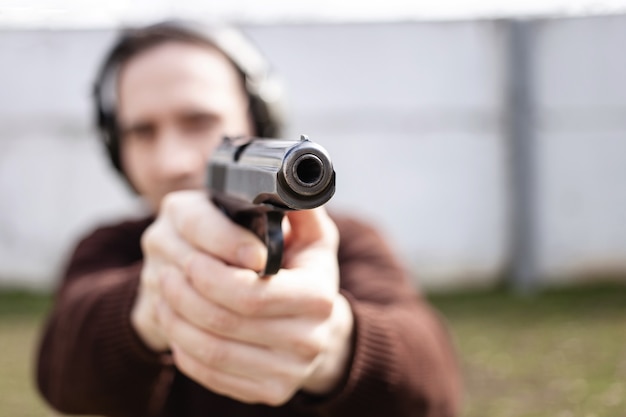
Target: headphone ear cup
(112,143)
(264,125)
(107,130)
(105,118)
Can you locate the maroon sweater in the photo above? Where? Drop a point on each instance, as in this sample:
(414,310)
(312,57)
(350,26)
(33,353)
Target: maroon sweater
(92,362)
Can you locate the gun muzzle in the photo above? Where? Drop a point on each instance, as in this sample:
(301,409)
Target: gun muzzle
(307,173)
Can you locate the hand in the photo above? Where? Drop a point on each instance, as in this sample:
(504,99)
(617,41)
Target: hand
(169,242)
(256,340)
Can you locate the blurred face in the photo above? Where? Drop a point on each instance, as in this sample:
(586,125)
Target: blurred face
(176,102)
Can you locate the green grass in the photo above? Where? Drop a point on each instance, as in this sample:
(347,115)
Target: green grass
(21,316)
(560,354)
(23,304)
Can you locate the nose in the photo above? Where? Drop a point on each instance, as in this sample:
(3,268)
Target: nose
(177,158)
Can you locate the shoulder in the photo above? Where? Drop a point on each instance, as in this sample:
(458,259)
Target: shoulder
(113,232)
(107,246)
(369,267)
(359,234)
(349,224)
(361,243)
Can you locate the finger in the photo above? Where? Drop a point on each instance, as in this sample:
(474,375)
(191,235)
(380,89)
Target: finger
(228,356)
(302,336)
(314,237)
(205,227)
(161,242)
(311,225)
(289,292)
(150,276)
(188,304)
(233,386)
(236,387)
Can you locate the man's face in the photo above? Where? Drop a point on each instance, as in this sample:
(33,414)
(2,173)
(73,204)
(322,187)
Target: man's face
(176,102)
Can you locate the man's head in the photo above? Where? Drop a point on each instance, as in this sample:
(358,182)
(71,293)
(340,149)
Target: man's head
(173,93)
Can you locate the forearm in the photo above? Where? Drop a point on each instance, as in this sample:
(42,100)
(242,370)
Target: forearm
(90,359)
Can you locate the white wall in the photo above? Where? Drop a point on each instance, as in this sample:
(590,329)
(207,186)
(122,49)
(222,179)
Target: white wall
(581,100)
(411,113)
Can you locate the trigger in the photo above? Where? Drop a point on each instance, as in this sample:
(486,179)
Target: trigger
(274,242)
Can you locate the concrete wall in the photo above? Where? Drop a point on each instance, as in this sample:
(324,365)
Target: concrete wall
(412,114)
(581,132)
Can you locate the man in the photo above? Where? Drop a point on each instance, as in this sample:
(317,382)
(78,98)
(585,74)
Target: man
(167,316)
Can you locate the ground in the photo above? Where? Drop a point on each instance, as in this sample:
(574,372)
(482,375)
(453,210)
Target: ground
(558,354)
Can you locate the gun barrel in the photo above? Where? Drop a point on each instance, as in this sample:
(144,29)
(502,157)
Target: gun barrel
(255,180)
(285,173)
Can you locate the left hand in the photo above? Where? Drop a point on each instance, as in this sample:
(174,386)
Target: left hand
(260,340)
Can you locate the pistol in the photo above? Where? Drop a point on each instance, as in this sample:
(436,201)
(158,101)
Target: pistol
(254,181)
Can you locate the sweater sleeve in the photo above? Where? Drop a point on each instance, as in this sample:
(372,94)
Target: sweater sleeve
(90,359)
(403,363)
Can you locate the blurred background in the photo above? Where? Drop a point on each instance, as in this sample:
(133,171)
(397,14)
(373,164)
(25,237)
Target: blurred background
(486,140)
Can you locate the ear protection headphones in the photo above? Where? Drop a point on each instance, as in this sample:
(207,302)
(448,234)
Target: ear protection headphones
(263,88)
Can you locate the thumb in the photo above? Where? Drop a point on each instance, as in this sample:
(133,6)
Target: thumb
(308,226)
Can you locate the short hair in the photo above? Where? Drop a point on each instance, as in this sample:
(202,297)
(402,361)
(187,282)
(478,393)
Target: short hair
(263,89)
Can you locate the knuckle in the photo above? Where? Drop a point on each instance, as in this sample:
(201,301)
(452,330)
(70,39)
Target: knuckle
(172,292)
(149,278)
(216,355)
(176,206)
(187,224)
(203,272)
(308,348)
(166,321)
(152,240)
(252,304)
(193,227)
(149,239)
(223,322)
(322,305)
(169,203)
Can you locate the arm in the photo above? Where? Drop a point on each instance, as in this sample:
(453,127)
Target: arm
(402,363)
(262,340)
(90,359)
